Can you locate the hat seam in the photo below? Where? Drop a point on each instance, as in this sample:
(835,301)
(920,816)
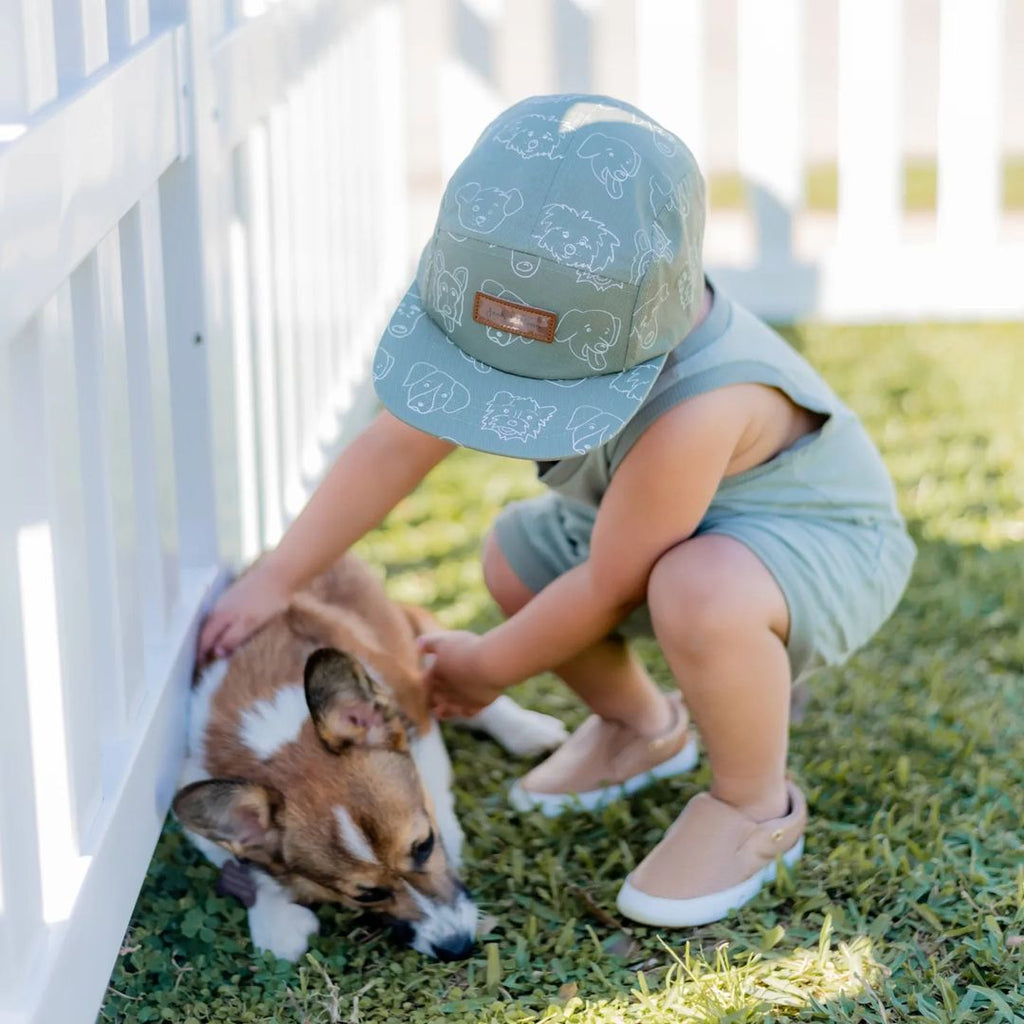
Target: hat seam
(469,237)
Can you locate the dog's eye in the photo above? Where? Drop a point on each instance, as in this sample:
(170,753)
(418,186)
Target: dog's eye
(372,895)
(421,851)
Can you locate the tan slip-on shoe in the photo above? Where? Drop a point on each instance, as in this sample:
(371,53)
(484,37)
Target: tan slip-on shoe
(602,761)
(712,860)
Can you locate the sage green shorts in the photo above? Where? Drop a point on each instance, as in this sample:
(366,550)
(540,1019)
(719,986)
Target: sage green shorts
(842,578)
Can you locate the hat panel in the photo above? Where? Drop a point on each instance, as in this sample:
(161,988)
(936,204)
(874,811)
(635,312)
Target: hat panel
(591,331)
(670,292)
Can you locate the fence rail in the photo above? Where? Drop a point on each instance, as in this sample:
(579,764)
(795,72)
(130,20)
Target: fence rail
(207,208)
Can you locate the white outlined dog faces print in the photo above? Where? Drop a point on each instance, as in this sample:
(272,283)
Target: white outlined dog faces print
(533,135)
(516,417)
(383,361)
(482,209)
(649,246)
(645,318)
(611,160)
(590,427)
(429,389)
(405,318)
(576,239)
(635,382)
(524,265)
(590,335)
(448,292)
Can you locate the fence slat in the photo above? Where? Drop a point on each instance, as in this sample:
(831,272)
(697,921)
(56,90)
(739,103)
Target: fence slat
(339,255)
(395,255)
(327,425)
(970,48)
(670,68)
(81,34)
(28,62)
(127,24)
(284,327)
(151,456)
(870,169)
(244,456)
(254,200)
(109,488)
(299,156)
(769,121)
(69,530)
(21,910)
(155,312)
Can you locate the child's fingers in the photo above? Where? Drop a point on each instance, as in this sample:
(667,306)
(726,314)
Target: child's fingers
(234,636)
(427,642)
(211,632)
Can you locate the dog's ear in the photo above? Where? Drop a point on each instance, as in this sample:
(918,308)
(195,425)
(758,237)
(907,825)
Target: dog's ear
(240,816)
(348,705)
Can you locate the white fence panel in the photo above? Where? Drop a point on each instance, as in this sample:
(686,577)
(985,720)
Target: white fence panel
(177,361)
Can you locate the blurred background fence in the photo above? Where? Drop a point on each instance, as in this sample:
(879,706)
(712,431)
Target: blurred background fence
(207,209)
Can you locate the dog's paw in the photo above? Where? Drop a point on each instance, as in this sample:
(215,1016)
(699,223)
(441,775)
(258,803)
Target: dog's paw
(533,733)
(519,730)
(282,927)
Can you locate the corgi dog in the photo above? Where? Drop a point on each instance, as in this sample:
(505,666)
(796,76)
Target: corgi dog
(316,773)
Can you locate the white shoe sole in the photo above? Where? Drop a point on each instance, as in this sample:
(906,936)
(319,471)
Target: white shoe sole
(657,910)
(554,804)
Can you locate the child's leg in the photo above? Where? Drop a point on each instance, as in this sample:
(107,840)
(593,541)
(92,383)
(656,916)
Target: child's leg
(607,677)
(722,622)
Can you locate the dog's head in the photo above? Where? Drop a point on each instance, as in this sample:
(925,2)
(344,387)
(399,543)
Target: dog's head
(341,815)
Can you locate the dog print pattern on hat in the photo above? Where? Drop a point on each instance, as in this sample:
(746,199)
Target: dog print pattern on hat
(573,210)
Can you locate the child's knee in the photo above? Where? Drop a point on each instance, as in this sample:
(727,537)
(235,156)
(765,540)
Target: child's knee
(710,588)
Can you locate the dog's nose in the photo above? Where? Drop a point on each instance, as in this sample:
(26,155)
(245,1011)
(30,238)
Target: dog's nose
(455,947)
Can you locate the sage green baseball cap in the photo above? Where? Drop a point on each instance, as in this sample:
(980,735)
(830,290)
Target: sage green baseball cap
(564,266)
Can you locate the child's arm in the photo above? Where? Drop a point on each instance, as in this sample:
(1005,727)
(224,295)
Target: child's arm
(655,500)
(379,468)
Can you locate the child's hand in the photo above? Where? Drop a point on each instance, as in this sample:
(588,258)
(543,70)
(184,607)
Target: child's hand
(247,604)
(455,678)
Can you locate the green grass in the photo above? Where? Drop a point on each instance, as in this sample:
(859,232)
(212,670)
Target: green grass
(920,187)
(907,905)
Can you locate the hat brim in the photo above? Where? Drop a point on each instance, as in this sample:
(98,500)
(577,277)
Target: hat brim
(431,384)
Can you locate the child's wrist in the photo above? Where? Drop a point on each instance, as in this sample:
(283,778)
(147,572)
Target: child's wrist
(491,667)
(280,573)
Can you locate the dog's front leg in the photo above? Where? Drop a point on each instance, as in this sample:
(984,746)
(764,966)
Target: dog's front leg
(519,730)
(435,768)
(277,923)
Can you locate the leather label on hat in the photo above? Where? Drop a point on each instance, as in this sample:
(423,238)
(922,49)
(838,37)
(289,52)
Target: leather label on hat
(514,317)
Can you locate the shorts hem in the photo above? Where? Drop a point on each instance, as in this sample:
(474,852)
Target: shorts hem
(520,554)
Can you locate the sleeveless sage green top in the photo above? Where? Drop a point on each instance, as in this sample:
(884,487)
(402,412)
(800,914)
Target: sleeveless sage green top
(835,472)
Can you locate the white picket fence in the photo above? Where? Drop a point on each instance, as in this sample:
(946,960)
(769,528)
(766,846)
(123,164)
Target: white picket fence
(191,285)
(206,210)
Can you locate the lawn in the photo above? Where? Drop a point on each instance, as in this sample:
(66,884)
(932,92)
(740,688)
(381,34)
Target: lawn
(909,902)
